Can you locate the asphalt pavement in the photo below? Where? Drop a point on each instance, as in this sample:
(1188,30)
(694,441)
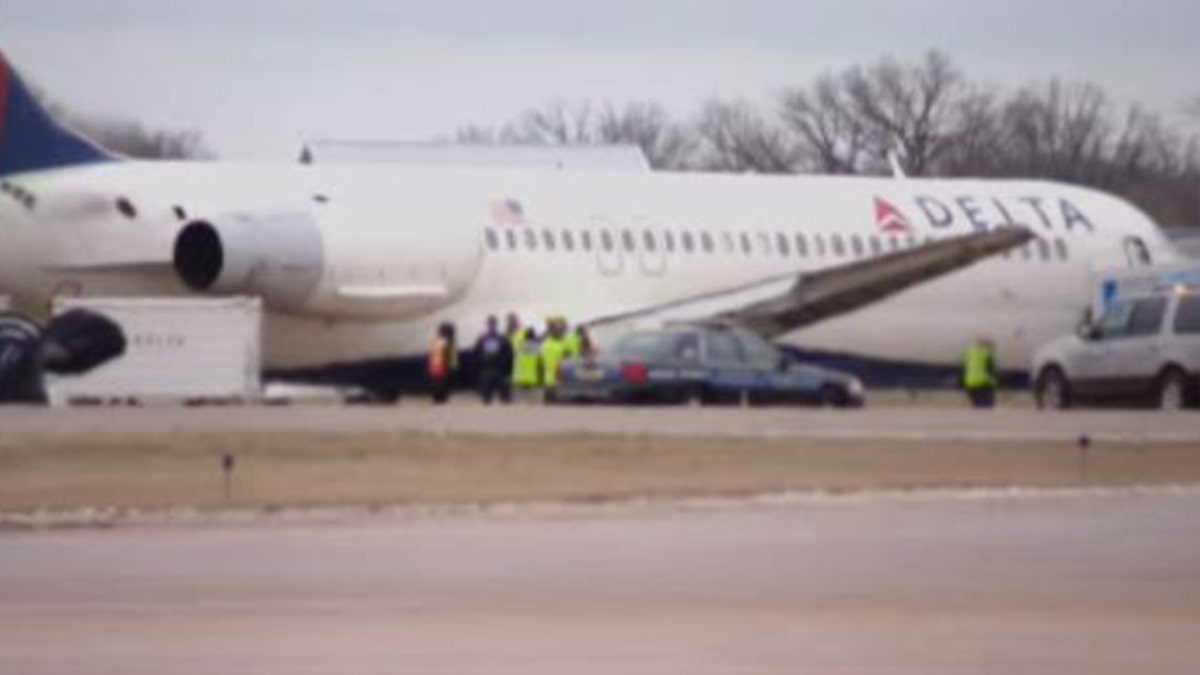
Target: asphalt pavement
(966,583)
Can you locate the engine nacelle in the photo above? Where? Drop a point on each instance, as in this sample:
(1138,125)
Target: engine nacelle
(351,265)
(280,257)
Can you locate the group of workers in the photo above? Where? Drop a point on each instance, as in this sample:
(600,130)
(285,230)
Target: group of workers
(517,359)
(523,360)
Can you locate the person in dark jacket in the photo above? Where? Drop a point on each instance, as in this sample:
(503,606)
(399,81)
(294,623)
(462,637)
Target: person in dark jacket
(494,360)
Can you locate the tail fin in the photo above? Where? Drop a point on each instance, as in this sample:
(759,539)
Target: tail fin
(30,138)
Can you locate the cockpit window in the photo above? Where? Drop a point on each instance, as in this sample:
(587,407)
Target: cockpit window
(1136,252)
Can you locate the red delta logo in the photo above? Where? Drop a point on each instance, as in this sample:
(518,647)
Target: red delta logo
(889,219)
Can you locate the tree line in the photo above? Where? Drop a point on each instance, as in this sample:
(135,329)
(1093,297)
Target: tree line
(927,114)
(126,136)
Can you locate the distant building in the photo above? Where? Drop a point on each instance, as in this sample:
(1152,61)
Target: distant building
(566,157)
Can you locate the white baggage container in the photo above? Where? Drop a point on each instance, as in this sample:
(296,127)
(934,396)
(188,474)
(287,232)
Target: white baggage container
(178,349)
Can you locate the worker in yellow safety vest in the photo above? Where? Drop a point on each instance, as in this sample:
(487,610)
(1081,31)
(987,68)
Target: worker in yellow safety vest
(979,374)
(527,360)
(554,351)
(573,341)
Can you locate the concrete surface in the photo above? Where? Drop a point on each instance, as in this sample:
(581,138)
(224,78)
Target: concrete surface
(966,583)
(881,423)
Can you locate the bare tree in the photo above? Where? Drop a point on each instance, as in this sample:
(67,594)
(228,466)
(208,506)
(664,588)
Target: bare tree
(974,149)
(734,137)
(128,137)
(556,123)
(132,139)
(831,137)
(473,134)
(666,144)
(909,107)
(942,124)
(1057,130)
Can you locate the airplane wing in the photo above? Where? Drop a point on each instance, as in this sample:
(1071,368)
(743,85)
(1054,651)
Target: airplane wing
(781,304)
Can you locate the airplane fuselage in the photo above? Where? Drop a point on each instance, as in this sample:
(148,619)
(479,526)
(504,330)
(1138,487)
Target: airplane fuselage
(387,253)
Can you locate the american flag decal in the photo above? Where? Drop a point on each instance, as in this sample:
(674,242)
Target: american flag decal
(507,212)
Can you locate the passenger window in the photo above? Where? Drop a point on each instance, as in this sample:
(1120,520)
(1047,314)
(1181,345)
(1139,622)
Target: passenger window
(648,240)
(876,246)
(548,239)
(745,241)
(1060,247)
(669,240)
(1147,316)
(686,240)
(722,347)
(627,240)
(606,240)
(894,243)
(493,241)
(1043,247)
(510,236)
(764,243)
(531,240)
(585,240)
(706,241)
(801,245)
(839,248)
(856,245)
(727,241)
(568,240)
(1187,315)
(782,244)
(819,245)
(911,242)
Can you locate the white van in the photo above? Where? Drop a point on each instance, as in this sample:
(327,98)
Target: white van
(1145,349)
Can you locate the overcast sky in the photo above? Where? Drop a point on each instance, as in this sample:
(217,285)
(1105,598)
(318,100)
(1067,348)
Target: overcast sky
(257,77)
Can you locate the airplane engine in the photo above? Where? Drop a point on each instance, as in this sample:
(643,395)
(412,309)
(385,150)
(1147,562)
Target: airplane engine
(338,269)
(280,257)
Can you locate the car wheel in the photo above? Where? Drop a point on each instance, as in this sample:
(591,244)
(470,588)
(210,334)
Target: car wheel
(833,397)
(1052,391)
(1172,390)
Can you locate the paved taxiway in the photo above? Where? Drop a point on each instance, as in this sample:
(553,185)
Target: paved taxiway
(938,423)
(968,584)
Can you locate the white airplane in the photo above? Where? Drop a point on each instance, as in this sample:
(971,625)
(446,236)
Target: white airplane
(360,263)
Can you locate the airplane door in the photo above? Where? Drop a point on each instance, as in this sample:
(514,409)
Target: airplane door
(609,260)
(653,250)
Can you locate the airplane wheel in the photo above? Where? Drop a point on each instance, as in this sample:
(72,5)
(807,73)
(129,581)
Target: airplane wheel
(1052,391)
